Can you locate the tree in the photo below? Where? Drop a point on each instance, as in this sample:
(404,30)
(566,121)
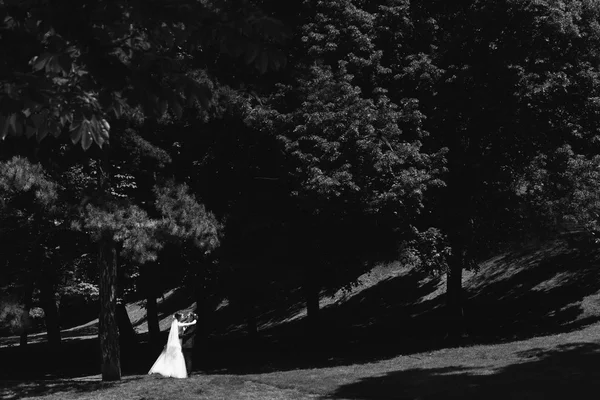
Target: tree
(561,191)
(29,212)
(180,220)
(516,83)
(75,63)
(356,170)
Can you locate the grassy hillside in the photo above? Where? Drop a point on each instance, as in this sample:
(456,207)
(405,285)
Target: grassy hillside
(395,311)
(542,368)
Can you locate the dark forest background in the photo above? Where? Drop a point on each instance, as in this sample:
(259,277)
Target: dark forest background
(267,152)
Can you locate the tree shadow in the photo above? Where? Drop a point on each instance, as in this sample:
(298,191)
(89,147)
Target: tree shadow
(530,293)
(543,294)
(535,293)
(274,300)
(10,390)
(74,358)
(377,323)
(179,299)
(567,371)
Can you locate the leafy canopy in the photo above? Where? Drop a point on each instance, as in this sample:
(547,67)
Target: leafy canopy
(74,65)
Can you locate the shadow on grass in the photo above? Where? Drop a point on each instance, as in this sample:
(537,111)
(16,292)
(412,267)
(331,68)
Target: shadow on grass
(568,371)
(74,358)
(10,390)
(375,324)
(178,300)
(543,295)
(535,293)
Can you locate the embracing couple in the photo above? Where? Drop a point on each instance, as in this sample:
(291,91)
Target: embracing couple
(176,358)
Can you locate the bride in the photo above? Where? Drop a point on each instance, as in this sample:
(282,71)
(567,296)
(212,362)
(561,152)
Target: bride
(171,362)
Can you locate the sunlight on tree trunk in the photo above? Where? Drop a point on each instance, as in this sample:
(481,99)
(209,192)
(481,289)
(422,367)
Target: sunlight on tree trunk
(108,328)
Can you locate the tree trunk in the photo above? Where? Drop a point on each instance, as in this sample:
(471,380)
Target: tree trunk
(148,279)
(127,337)
(24,329)
(202,311)
(249,299)
(51,317)
(454,289)
(454,298)
(251,322)
(52,324)
(108,328)
(311,293)
(25,320)
(126,331)
(152,317)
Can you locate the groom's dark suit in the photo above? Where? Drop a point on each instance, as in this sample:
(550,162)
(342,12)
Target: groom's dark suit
(187,346)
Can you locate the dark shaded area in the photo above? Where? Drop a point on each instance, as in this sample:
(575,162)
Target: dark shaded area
(75,358)
(393,318)
(541,297)
(567,371)
(369,326)
(388,319)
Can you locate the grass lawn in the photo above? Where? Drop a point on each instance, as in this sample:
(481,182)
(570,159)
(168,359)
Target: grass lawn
(550,367)
(151,387)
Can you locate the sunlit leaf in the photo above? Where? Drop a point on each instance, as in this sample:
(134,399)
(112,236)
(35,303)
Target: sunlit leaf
(97,130)
(11,122)
(18,127)
(53,66)
(41,61)
(86,135)
(66,119)
(76,131)
(105,125)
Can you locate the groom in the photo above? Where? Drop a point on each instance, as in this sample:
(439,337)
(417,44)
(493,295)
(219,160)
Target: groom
(187,342)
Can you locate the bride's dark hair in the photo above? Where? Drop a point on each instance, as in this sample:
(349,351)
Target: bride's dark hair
(178,316)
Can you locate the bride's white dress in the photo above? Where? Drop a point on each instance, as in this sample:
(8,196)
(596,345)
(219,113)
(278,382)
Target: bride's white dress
(171,362)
